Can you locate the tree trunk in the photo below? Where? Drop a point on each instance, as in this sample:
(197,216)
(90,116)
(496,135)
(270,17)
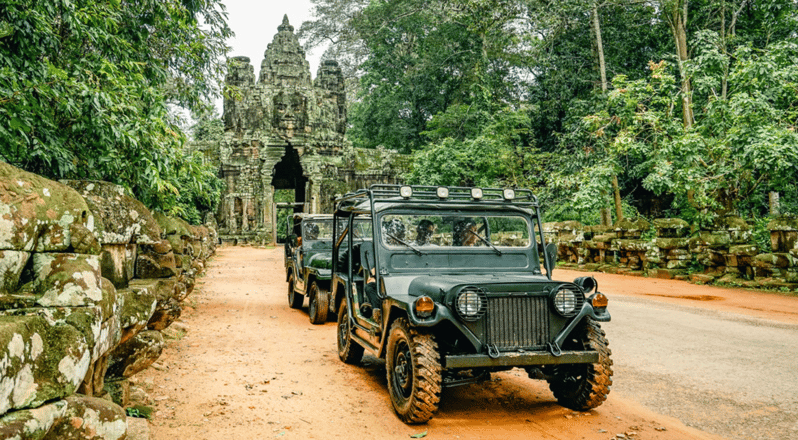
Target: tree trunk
(617,193)
(773,203)
(677,19)
(599,47)
(606,217)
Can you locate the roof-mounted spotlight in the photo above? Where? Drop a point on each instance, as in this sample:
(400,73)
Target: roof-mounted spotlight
(509,194)
(476,193)
(442,192)
(406,192)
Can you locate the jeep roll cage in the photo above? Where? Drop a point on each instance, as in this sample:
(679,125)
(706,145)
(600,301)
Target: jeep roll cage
(381,197)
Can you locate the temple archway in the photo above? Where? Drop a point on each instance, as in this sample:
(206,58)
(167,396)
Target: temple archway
(288,174)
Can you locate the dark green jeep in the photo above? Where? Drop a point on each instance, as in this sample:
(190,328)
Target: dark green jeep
(449,288)
(308,264)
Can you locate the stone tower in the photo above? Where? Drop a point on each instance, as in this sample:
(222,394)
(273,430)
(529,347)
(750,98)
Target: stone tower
(285,131)
(276,130)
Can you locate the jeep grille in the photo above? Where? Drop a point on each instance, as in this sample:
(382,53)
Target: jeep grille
(518,322)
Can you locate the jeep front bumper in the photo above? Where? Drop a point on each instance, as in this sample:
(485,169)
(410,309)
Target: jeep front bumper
(520,359)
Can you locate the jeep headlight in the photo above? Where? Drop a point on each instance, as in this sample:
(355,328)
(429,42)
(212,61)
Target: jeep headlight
(471,303)
(567,300)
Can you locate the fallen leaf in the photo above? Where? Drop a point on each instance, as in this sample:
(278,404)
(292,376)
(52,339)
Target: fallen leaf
(419,435)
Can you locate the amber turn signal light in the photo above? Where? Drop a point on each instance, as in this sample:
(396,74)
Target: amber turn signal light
(424,306)
(599,301)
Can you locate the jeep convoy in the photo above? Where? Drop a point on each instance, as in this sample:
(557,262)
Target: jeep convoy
(450,284)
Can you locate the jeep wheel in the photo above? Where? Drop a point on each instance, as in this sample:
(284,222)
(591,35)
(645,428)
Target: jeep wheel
(348,350)
(413,370)
(318,304)
(295,300)
(583,386)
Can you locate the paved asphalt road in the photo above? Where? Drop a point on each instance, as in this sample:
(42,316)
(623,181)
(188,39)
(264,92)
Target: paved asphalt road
(724,373)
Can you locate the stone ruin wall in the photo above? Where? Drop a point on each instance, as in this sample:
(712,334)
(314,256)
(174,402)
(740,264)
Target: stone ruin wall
(285,130)
(90,281)
(722,254)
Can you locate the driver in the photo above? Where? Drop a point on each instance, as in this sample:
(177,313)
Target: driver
(393,230)
(465,233)
(312,232)
(424,231)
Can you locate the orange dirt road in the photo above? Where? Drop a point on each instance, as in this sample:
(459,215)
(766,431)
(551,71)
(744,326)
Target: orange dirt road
(243,365)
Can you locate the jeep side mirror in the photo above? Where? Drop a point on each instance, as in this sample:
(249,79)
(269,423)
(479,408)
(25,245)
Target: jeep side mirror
(551,254)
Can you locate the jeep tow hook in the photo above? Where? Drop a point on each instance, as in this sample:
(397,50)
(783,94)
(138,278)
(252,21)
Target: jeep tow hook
(555,349)
(493,351)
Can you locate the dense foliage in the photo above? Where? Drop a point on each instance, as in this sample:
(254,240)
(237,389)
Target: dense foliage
(86,88)
(658,108)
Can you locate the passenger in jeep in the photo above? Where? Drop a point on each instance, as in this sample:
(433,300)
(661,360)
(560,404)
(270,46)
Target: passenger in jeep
(465,233)
(424,231)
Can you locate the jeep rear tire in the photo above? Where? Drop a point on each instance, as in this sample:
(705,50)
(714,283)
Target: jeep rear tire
(318,304)
(583,386)
(413,370)
(295,300)
(348,350)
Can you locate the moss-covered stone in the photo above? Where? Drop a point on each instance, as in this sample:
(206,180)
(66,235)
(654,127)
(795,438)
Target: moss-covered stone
(36,214)
(671,227)
(775,260)
(136,354)
(121,219)
(39,361)
(631,228)
(139,305)
(11,265)
(669,243)
(172,225)
(67,280)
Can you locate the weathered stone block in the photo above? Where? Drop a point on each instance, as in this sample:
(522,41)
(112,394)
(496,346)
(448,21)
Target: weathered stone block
(117,262)
(67,280)
(75,418)
(679,254)
(632,245)
(156,265)
(36,214)
(136,354)
(165,314)
(665,274)
(677,264)
(671,228)
(172,225)
(701,278)
(39,361)
(631,228)
(139,304)
(121,219)
(780,260)
(11,265)
(712,240)
(670,243)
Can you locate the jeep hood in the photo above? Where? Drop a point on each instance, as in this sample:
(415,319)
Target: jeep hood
(434,285)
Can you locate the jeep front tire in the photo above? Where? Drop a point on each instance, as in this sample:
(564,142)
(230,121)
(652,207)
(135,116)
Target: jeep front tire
(413,370)
(583,386)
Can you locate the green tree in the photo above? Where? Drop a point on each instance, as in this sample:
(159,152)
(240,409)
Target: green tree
(85,89)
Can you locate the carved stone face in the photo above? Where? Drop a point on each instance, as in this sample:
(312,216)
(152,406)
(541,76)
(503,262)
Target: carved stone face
(290,113)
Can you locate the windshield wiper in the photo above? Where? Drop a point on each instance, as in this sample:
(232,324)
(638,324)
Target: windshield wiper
(486,241)
(415,249)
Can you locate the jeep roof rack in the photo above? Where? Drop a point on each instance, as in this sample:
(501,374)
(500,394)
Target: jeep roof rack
(439,194)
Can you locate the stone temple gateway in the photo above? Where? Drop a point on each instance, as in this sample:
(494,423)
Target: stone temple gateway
(285,131)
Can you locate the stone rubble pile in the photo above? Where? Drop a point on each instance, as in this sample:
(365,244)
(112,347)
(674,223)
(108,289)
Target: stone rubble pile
(89,278)
(723,253)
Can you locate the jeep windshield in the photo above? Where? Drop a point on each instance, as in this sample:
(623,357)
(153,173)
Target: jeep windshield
(455,231)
